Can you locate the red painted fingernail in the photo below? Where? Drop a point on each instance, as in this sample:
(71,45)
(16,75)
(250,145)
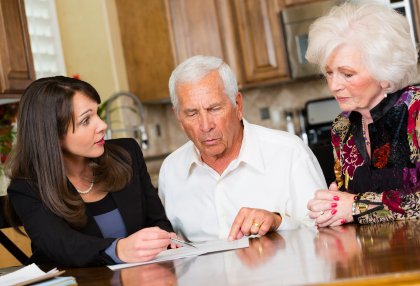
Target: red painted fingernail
(333,205)
(343,221)
(336,198)
(333,212)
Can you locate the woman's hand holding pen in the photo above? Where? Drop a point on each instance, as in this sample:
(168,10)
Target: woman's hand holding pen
(143,245)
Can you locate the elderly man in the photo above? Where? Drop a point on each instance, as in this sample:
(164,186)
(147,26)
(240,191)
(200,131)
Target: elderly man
(233,178)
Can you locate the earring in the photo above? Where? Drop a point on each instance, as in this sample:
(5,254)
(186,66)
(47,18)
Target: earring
(385,95)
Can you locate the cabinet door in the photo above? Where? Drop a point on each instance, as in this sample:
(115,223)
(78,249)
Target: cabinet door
(16,69)
(290,3)
(203,27)
(261,41)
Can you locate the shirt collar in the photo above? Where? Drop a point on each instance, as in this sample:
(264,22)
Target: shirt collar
(250,151)
(381,108)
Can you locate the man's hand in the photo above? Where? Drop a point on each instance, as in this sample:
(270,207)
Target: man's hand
(253,221)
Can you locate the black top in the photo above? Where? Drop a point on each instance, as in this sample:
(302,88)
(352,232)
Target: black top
(104,205)
(390,178)
(54,240)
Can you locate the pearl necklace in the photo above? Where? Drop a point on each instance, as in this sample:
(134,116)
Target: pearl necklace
(364,133)
(80,192)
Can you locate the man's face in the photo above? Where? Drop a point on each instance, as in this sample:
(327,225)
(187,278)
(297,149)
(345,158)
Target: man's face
(208,117)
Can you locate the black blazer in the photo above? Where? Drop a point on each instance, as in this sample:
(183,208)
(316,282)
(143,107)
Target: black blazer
(54,240)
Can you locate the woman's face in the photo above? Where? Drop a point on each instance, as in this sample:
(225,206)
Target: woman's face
(350,81)
(87,140)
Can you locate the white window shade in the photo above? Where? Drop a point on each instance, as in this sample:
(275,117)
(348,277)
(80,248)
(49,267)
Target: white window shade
(45,38)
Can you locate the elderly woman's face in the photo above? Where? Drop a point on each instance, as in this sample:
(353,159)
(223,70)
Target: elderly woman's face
(350,81)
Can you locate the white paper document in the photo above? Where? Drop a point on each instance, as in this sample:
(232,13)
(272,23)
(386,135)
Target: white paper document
(202,248)
(27,273)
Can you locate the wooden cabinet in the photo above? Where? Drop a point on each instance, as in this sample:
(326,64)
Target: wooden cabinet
(203,27)
(416,18)
(292,3)
(261,41)
(16,69)
(158,35)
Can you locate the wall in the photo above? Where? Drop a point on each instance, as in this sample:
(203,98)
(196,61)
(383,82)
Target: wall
(92,46)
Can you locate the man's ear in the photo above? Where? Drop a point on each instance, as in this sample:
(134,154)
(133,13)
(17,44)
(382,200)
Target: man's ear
(239,105)
(177,117)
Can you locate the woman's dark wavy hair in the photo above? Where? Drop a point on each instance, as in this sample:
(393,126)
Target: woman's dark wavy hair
(45,115)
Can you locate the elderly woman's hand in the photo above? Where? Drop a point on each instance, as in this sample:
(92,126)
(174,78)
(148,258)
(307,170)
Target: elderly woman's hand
(335,205)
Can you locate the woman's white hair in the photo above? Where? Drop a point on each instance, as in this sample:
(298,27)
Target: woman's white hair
(381,34)
(194,69)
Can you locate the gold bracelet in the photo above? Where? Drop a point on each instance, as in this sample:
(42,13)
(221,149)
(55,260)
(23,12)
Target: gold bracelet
(362,207)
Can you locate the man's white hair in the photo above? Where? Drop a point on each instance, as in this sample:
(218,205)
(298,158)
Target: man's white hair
(381,34)
(194,69)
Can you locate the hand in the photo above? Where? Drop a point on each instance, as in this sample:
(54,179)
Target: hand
(337,244)
(335,204)
(143,245)
(173,245)
(243,223)
(151,274)
(261,249)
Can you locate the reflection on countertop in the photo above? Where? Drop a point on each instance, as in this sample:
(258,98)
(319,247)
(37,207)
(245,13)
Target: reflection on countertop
(387,253)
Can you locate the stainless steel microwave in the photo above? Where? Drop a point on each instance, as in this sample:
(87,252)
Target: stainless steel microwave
(296,22)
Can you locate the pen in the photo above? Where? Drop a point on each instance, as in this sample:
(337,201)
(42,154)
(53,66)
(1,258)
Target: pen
(182,243)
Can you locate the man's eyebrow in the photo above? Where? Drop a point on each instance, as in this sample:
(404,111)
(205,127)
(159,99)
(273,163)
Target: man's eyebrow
(190,110)
(209,107)
(87,111)
(217,104)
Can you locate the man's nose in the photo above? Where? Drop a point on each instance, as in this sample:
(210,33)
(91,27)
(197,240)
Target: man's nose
(206,122)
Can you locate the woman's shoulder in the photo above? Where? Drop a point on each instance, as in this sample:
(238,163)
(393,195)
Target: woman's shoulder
(128,144)
(411,97)
(21,186)
(123,142)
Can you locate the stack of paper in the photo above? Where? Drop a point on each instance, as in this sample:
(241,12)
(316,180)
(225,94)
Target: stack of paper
(202,248)
(30,275)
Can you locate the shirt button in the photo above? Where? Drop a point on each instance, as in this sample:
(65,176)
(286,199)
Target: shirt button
(223,214)
(219,182)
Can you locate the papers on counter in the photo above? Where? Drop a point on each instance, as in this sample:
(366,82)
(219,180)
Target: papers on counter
(202,248)
(28,275)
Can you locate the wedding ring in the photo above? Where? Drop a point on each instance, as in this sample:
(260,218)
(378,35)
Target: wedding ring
(321,212)
(256,224)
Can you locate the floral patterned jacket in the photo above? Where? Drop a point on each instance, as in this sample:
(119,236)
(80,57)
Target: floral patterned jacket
(391,178)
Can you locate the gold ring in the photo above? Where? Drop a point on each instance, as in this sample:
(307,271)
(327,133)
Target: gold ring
(256,224)
(321,212)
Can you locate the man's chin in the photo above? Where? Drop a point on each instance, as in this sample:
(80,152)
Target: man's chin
(211,151)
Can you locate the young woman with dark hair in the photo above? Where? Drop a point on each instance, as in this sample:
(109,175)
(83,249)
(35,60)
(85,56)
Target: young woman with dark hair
(83,201)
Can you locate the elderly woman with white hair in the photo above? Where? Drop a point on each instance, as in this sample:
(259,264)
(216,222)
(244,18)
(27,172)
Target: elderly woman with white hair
(368,58)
